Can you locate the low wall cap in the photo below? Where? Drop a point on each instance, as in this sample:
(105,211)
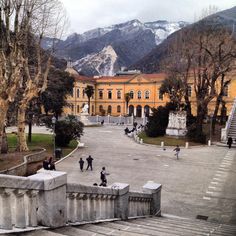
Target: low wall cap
(152,186)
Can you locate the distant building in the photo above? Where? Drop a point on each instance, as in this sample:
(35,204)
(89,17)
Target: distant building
(109,96)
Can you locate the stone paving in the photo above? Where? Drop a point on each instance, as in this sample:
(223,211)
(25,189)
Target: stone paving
(201,182)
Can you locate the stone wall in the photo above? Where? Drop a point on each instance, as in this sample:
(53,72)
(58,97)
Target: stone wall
(47,199)
(21,169)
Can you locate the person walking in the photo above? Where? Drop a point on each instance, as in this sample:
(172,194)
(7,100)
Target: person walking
(81,164)
(89,162)
(103,177)
(230,141)
(177,150)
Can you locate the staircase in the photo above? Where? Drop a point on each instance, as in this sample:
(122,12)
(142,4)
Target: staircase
(230,128)
(164,226)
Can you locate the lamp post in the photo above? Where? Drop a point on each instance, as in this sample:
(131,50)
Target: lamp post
(54,123)
(211,117)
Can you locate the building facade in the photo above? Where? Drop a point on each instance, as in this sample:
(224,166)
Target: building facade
(109,95)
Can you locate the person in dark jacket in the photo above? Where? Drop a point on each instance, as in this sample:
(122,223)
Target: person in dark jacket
(89,162)
(81,164)
(103,177)
(230,141)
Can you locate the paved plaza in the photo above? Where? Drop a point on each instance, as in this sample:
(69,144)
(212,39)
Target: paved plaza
(201,182)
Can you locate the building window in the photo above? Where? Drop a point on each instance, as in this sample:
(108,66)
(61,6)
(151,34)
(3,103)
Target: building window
(77,108)
(147,94)
(83,93)
(77,94)
(160,95)
(109,109)
(109,94)
(226,91)
(118,94)
(100,108)
(131,93)
(72,109)
(118,109)
(189,91)
(100,94)
(139,94)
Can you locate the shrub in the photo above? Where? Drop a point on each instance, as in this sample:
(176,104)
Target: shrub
(67,130)
(157,122)
(195,135)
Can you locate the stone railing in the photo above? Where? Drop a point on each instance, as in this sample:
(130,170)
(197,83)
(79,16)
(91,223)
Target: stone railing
(225,131)
(21,169)
(46,199)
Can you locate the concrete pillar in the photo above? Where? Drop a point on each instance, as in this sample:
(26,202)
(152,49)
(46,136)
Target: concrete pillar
(99,207)
(79,207)
(141,141)
(32,207)
(187,145)
(71,207)
(108,119)
(97,118)
(122,201)
(20,209)
(162,144)
(52,206)
(142,113)
(154,189)
(209,143)
(5,214)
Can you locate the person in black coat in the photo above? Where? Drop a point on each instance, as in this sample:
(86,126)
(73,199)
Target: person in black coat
(89,162)
(81,164)
(230,141)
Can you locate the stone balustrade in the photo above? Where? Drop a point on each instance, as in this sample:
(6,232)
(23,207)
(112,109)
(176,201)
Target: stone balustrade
(46,199)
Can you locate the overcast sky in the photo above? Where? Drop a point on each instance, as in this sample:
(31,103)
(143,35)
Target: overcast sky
(89,14)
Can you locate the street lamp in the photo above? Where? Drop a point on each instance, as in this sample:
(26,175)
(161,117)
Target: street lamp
(54,123)
(211,117)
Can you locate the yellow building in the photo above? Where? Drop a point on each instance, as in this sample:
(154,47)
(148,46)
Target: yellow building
(109,96)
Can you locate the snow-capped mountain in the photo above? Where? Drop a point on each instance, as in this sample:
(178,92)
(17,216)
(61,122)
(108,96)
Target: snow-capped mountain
(102,63)
(130,41)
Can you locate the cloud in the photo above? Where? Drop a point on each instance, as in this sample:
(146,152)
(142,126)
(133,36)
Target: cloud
(89,14)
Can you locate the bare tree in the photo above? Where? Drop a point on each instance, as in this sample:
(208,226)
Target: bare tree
(47,20)
(20,22)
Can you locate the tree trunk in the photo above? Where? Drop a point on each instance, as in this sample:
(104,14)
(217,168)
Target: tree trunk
(201,112)
(21,137)
(4,148)
(3,112)
(89,105)
(30,129)
(218,101)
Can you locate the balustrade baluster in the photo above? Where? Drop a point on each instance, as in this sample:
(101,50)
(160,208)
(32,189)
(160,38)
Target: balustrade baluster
(86,207)
(20,208)
(32,207)
(71,209)
(5,214)
(79,207)
(99,207)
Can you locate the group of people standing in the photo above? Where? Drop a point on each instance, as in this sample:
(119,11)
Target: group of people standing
(103,172)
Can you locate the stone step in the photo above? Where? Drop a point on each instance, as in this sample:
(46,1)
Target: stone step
(136,229)
(40,233)
(177,229)
(180,226)
(75,231)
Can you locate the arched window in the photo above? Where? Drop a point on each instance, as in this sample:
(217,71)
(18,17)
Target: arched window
(109,109)
(147,94)
(100,94)
(131,93)
(100,108)
(77,93)
(118,94)
(118,109)
(139,94)
(109,94)
(160,95)
(77,108)
(83,93)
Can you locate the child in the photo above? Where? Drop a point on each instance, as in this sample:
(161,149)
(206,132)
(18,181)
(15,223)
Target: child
(177,150)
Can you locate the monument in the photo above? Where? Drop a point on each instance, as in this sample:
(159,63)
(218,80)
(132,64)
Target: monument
(177,124)
(84,115)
